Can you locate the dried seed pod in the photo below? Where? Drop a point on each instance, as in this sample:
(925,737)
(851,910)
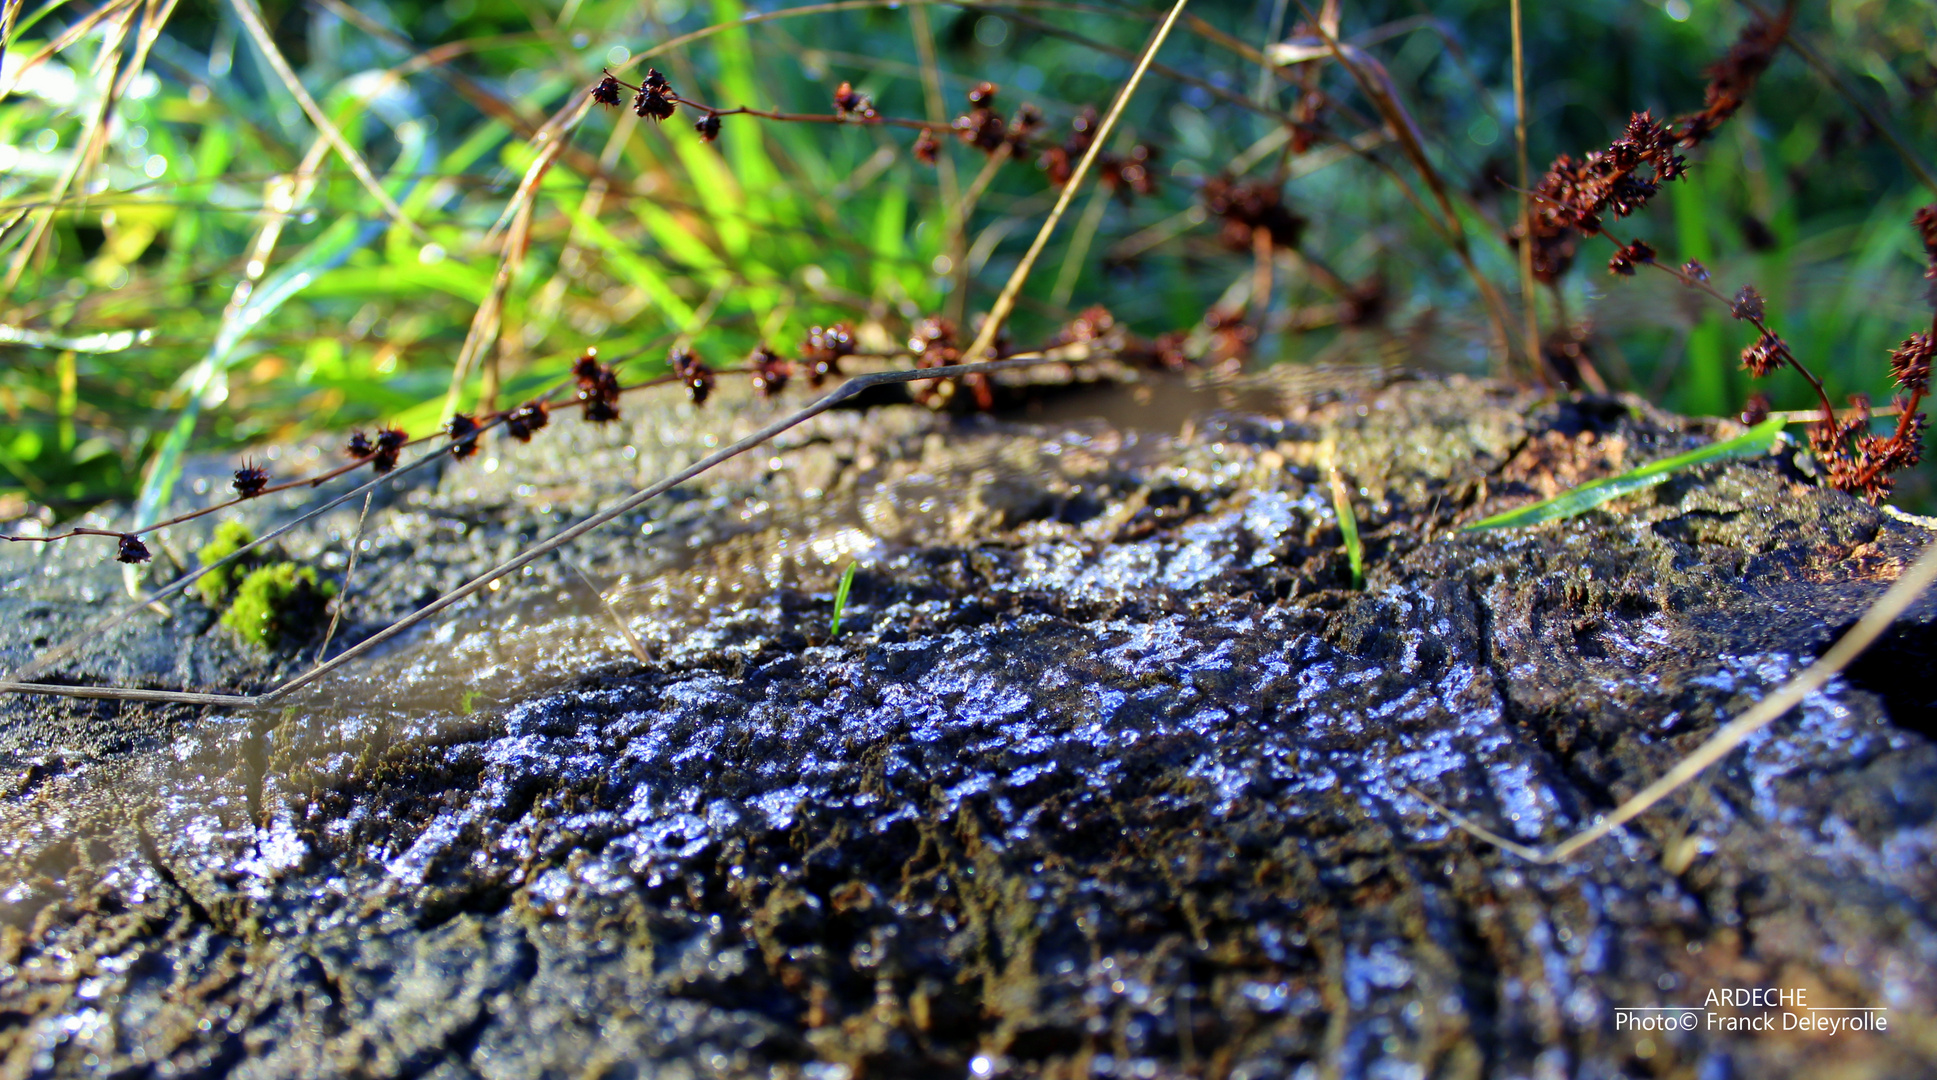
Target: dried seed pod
(693,372)
(607,91)
(1763,356)
(982,95)
(770,371)
(1910,362)
(1756,409)
(464,436)
(708,127)
(131,549)
(598,388)
(520,422)
(359,446)
(1747,304)
(655,97)
(927,147)
(851,102)
(250,480)
(1245,207)
(390,443)
(823,350)
(1626,258)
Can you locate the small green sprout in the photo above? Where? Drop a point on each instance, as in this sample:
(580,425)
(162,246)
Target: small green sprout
(1348,523)
(840,598)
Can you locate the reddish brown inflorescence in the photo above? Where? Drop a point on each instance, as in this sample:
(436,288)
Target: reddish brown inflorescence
(131,549)
(250,480)
(692,372)
(824,349)
(520,422)
(463,430)
(770,371)
(598,388)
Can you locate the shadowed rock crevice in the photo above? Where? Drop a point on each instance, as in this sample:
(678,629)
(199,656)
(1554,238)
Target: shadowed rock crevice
(1107,773)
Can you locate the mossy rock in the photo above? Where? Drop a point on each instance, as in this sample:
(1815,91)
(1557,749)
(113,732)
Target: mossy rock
(278,603)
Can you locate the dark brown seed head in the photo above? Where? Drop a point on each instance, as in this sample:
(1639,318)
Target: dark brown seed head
(250,480)
(464,436)
(1910,362)
(1756,409)
(927,147)
(708,127)
(653,104)
(390,443)
(131,550)
(1747,304)
(823,350)
(1692,271)
(1764,356)
(982,95)
(850,102)
(607,91)
(520,422)
(655,82)
(693,372)
(770,371)
(360,446)
(1626,258)
(598,388)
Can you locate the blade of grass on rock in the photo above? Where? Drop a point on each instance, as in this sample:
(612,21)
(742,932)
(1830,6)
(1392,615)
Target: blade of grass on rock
(1756,441)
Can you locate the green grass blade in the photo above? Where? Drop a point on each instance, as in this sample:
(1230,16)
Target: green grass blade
(1348,523)
(840,599)
(1757,441)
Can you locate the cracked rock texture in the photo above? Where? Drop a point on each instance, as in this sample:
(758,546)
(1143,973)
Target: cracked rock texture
(1109,772)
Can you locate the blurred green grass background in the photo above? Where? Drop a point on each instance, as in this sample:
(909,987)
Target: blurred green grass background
(193,292)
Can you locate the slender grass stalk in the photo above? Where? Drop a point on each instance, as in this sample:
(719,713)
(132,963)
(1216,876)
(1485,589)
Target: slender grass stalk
(251,17)
(1348,525)
(840,599)
(1527,295)
(1006,301)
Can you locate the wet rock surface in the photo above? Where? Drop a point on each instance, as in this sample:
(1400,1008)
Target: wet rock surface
(1108,773)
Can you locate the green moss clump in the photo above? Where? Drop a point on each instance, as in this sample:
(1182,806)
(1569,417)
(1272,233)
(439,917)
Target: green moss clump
(230,537)
(278,603)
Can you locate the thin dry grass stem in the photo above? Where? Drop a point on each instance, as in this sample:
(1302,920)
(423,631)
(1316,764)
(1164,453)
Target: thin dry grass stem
(1528,300)
(1877,120)
(106,62)
(1079,247)
(1376,84)
(1874,623)
(631,639)
(935,105)
(9,12)
(251,17)
(349,569)
(64,41)
(481,339)
(990,166)
(1261,275)
(1005,301)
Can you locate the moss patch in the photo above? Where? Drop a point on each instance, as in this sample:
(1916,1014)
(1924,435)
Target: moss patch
(277,603)
(230,537)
